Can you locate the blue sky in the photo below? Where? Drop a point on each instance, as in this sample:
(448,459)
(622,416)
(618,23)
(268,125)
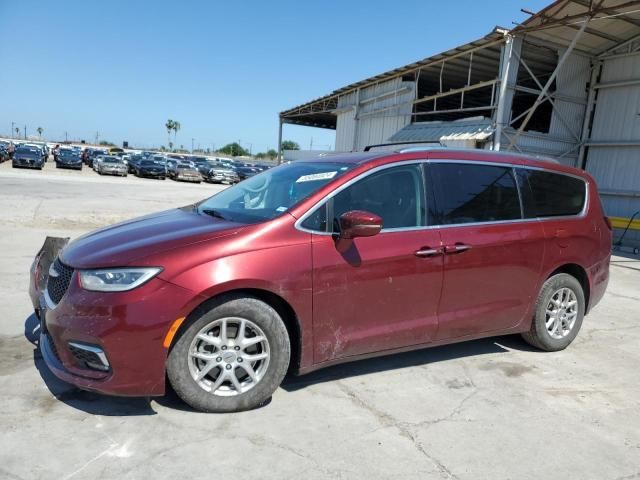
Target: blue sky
(223,69)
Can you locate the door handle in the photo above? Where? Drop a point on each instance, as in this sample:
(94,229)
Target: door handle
(457,248)
(428,252)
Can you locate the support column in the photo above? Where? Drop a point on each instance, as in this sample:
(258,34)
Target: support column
(586,124)
(280,159)
(508,76)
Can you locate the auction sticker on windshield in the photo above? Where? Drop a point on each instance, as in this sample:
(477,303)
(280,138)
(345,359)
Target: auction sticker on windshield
(316,176)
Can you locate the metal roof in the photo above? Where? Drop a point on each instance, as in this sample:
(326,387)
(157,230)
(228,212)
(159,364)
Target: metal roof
(478,128)
(612,22)
(319,112)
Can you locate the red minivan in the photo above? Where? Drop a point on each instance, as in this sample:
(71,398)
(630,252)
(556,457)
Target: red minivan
(320,262)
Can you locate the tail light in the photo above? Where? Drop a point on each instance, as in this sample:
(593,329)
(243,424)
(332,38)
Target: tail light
(608,222)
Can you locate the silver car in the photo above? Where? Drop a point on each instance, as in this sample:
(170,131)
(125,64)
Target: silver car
(111,165)
(222,175)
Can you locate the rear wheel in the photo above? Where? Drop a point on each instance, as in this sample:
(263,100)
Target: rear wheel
(231,358)
(559,312)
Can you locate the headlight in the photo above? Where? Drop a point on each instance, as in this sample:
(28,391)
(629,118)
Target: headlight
(116,279)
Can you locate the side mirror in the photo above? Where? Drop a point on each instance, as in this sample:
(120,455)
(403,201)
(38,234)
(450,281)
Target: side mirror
(358,223)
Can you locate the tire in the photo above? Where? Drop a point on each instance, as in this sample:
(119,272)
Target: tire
(540,335)
(262,321)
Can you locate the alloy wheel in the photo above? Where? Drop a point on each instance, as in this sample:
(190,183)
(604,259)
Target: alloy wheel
(561,313)
(229,356)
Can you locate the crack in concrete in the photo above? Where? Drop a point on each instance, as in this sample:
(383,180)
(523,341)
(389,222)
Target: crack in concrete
(403,428)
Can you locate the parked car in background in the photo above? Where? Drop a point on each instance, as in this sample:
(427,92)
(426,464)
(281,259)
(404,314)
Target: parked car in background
(111,165)
(28,157)
(93,153)
(187,172)
(68,158)
(40,147)
(4,151)
(203,164)
(221,175)
(172,165)
(115,151)
(325,261)
(245,172)
(132,160)
(150,168)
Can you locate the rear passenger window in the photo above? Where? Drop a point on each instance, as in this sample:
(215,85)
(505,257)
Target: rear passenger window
(554,194)
(467,193)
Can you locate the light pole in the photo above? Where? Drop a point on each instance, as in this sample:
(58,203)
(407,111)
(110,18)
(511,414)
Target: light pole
(192,139)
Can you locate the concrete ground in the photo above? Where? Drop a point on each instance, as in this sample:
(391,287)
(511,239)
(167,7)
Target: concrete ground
(488,409)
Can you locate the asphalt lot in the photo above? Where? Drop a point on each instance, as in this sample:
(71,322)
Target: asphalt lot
(488,409)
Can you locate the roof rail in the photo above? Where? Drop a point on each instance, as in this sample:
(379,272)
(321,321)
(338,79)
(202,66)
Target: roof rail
(418,149)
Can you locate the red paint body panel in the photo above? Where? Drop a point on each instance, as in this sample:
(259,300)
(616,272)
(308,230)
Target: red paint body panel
(489,287)
(375,296)
(357,294)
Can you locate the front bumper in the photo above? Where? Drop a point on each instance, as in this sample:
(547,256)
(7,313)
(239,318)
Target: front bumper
(152,173)
(128,327)
(77,166)
(188,177)
(114,171)
(27,163)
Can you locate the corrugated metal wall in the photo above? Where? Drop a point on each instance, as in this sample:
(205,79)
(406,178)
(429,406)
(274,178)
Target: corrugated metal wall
(383,109)
(616,168)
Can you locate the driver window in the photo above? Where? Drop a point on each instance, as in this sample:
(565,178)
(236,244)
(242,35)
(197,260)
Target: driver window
(396,194)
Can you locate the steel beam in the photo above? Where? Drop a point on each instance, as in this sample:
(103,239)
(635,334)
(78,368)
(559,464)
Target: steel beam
(550,81)
(508,75)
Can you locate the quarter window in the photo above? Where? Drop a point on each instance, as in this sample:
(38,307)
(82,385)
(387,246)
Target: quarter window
(467,193)
(554,194)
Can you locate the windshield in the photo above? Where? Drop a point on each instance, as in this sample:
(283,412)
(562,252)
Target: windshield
(149,163)
(68,153)
(27,151)
(111,160)
(273,192)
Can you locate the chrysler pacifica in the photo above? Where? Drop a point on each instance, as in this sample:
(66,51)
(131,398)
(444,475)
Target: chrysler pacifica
(320,262)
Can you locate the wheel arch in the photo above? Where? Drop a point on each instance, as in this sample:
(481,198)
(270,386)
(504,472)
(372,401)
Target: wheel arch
(580,274)
(279,304)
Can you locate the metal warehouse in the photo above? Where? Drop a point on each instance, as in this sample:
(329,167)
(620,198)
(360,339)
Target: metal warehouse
(565,83)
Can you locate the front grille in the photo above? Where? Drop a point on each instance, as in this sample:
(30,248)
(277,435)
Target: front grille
(57,285)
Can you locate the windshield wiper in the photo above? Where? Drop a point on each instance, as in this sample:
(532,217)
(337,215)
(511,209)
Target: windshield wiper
(213,213)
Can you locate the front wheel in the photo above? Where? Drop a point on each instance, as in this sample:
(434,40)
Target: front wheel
(558,316)
(232,357)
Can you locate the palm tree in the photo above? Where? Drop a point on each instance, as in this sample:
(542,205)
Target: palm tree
(176,127)
(17,131)
(40,130)
(169,126)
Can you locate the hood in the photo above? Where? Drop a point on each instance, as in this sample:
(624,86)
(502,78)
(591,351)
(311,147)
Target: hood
(124,243)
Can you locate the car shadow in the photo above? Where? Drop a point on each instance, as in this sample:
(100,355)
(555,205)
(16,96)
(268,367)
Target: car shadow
(414,358)
(89,402)
(99,404)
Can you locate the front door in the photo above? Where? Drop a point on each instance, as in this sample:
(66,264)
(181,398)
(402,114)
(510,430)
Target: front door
(382,292)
